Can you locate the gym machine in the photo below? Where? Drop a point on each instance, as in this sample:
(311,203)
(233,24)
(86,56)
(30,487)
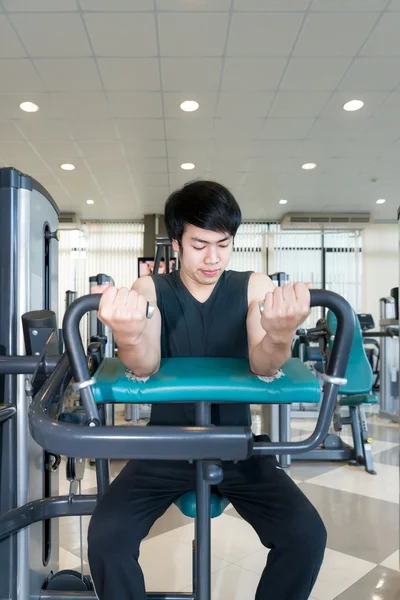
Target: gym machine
(389,357)
(30,464)
(28,287)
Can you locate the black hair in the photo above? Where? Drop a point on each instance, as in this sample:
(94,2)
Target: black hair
(205,204)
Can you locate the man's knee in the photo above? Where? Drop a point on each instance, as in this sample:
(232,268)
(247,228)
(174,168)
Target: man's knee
(109,536)
(306,534)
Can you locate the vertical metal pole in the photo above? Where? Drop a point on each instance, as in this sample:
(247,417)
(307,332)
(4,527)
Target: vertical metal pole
(284,431)
(203,517)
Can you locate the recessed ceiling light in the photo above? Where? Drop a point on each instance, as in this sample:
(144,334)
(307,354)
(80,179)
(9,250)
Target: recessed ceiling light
(190,105)
(30,107)
(381,201)
(187,166)
(67,167)
(308,166)
(89,201)
(353,105)
(282,201)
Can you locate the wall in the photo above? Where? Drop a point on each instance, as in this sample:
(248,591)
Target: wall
(380,265)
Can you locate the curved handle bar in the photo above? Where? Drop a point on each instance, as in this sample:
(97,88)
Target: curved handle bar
(74,348)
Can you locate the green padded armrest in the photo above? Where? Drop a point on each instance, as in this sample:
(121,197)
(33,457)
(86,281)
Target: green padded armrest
(205,379)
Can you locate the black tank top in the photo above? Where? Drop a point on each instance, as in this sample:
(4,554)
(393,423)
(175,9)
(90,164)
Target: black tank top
(216,327)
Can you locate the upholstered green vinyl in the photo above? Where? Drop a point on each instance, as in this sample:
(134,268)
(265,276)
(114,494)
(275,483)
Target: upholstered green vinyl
(358,399)
(187,504)
(359,372)
(206,379)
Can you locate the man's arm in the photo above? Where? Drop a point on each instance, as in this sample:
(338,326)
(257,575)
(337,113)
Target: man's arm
(143,356)
(271,334)
(138,338)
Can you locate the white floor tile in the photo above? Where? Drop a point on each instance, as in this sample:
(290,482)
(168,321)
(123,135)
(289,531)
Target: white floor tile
(69,560)
(383,486)
(376,446)
(392,562)
(339,572)
(233,583)
(167,564)
(254,562)
(231,539)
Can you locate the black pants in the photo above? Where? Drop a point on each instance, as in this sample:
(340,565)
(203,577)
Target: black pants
(262,493)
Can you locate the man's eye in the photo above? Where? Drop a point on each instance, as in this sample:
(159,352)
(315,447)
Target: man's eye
(226,245)
(199,248)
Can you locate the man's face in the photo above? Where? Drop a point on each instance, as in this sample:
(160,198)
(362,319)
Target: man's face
(205,253)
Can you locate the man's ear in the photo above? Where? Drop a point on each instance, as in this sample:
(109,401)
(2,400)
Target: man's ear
(175,246)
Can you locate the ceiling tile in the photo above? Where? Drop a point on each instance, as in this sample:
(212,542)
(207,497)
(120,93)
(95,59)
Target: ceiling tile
(43,130)
(390,108)
(154,179)
(299,104)
(19,76)
(106,150)
(145,149)
(10,151)
(281,129)
(380,130)
(370,74)
(173,100)
(345,5)
(79,105)
(385,39)
(122,34)
(308,74)
(269,5)
(150,165)
(135,104)
(321,32)
(92,130)
(196,74)
(65,151)
(340,128)
(182,148)
(186,34)
(277,165)
(10,46)
(189,129)
(252,73)
(239,128)
(242,104)
(39,5)
(117,5)
(68,74)
(9,105)
(263,34)
(395,5)
(195,5)
(9,132)
(372,102)
(240,148)
(124,74)
(50,35)
(141,129)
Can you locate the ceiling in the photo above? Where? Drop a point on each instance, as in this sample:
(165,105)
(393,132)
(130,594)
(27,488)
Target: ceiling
(271,78)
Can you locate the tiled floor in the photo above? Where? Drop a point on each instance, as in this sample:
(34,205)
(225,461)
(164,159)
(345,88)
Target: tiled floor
(360,512)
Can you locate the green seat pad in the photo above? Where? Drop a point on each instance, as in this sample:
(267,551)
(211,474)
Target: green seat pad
(205,379)
(187,504)
(358,399)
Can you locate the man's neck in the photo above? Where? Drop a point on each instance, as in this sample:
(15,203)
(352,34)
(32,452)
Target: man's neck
(198,290)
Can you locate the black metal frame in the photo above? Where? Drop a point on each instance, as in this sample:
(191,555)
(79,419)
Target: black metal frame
(200,443)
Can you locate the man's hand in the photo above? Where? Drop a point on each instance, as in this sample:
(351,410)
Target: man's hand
(123,310)
(285,309)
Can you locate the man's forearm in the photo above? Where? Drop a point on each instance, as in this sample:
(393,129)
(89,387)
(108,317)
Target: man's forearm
(142,358)
(267,357)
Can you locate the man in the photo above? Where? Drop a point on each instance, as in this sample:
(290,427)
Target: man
(204,310)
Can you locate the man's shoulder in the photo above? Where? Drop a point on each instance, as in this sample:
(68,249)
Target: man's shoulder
(259,285)
(145,286)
